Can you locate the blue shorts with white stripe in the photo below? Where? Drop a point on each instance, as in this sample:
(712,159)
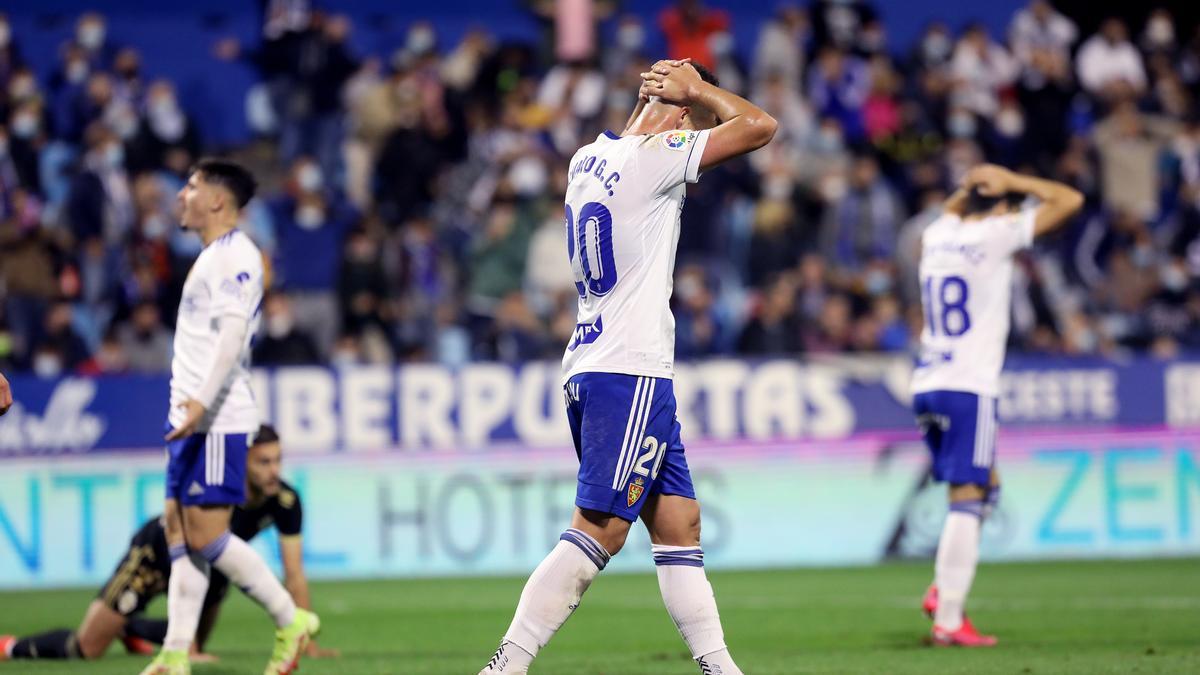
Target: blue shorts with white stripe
(960,430)
(627,440)
(207,469)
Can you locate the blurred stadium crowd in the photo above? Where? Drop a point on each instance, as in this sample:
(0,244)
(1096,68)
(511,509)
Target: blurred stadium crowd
(412,201)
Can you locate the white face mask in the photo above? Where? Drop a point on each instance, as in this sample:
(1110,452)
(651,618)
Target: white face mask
(631,36)
(91,35)
(720,43)
(47,365)
(778,187)
(77,71)
(279,326)
(420,40)
(1160,32)
(114,155)
(961,125)
(310,217)
(309,178)
(1173,278)
(1010,123)
(25,125)
(125,124)
(155,226)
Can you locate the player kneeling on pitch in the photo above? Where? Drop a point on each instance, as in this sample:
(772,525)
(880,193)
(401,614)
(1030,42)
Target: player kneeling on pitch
(624,199)
(966,274)
(143,574)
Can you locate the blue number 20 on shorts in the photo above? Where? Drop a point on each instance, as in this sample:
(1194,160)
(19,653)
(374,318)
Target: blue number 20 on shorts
(627,440)
(207,469)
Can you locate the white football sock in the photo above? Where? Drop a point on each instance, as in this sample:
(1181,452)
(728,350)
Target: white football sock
(552,594)
(248,571)
(957,556)
(185,599)
(691,604)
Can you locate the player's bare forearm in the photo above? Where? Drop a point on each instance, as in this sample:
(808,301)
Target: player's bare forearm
(297,587)
(643,99)
(1058,200)
(744,127)
(957,202)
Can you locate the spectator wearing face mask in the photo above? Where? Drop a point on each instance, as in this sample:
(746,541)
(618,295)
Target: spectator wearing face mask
(311,223)
(166,137)
(100,203)
(933,50)
(861,227)
(780,52)
(91,37)
(146,341)
(68,89)
(59,348)
(283,343)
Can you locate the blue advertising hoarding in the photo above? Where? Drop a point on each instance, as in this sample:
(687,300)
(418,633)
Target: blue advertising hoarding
(484,406)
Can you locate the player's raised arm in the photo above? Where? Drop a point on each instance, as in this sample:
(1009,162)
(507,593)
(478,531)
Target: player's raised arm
(742,127)
(1058,200)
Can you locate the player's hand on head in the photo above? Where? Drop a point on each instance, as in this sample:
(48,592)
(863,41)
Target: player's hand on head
(193,413)
(991,180)
(673,83)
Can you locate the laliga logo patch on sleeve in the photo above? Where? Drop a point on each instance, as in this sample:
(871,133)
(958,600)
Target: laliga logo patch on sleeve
(677,140)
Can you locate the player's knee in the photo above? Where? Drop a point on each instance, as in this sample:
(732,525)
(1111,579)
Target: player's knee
(609,530)
(962,492)
(88,646)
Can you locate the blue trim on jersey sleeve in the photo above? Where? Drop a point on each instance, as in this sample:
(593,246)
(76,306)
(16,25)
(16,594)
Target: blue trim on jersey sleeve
(611,135)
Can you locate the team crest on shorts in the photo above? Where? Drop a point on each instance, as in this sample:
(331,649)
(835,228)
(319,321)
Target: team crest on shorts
(636,488)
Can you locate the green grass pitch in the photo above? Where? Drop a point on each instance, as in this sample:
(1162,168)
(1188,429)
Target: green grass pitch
(1061,617)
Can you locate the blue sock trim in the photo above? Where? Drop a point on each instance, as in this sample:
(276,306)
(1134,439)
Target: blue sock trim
(991,501)
(590,547)
(973,507)
(216,547)
(686,557)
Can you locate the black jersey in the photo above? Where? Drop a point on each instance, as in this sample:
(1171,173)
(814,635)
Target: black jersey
(143,573)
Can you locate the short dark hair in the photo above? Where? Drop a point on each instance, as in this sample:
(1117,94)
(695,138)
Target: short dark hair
(977,202)
(265,434)
(706,74)
(229,175)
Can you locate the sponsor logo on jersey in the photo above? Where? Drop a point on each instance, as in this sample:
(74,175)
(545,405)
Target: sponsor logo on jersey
(636,488)
(676,140)
(195,489)
(585,334)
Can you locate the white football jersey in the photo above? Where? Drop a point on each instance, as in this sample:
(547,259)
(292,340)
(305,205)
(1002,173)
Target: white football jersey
(966,291)
(623,203)
(226,279)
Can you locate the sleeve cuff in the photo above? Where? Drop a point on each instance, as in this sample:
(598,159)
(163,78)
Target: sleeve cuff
(1028,218)
(695,154)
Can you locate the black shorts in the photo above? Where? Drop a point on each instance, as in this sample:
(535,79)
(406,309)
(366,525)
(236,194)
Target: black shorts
(141,574)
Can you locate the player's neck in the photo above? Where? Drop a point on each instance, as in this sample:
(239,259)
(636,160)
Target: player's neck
(216,230)
(650,122)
